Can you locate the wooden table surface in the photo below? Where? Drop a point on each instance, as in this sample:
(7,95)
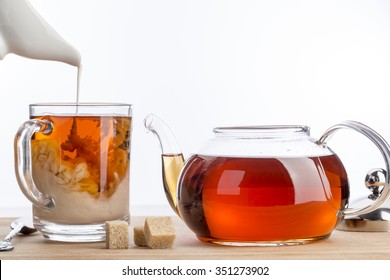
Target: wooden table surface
(341,245)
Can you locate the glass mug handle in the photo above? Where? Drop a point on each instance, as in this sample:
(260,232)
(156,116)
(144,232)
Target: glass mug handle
(384,148)
(23,167)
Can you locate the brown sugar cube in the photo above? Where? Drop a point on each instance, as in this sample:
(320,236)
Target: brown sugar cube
(117,235)
(139,236)
(159,232)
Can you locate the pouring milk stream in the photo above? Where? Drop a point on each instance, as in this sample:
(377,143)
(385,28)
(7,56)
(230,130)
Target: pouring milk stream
(24,32)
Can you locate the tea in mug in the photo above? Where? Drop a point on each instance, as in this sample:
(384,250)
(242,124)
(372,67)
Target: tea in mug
(84,165)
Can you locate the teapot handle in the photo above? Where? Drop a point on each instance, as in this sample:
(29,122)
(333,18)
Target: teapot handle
(384,148)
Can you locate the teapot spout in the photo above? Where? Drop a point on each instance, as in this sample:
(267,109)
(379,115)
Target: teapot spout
(172,157)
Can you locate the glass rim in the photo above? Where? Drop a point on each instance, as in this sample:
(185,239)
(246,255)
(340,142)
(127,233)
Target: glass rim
(80,109)
(262,131)
(81,104)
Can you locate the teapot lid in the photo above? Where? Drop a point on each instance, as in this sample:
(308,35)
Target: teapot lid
(375,221)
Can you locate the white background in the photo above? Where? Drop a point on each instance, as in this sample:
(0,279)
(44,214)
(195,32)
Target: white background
(203,63)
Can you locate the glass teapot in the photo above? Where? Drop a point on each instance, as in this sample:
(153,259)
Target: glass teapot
(263,185)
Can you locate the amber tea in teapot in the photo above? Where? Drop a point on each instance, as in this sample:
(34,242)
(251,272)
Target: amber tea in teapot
(264,185)
(243,198)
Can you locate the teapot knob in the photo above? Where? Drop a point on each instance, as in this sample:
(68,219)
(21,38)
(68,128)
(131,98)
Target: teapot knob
(375,178)
(377,220)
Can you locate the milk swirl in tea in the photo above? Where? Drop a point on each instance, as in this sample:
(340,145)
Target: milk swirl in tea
(84,165)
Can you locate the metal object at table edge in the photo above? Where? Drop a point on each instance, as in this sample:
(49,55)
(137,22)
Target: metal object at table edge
(22,225)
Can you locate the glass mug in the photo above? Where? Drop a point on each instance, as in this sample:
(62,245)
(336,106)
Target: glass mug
(72,162)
